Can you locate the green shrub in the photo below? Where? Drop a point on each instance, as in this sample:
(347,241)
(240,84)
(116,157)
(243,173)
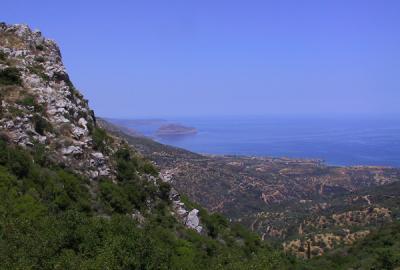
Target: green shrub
(149,168)
(41,125)
(40,47)
(40,155)
(17,161)
(27,101)
(10,76)
(100,139)
(164,189)
(3,56)
(16,111)
(215,223)
(127,165)
(40,59)
(114,197)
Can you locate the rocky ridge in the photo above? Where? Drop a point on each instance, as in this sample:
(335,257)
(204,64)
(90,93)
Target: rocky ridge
(41,106)
(52,111)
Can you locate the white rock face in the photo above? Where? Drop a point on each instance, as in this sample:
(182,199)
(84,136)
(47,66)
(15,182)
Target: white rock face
(189,219)
(98,155)
(33,81)
(71,150)
(104,171)
(83,123)
(78,132)
(45,79)
(193,221)
(41,139)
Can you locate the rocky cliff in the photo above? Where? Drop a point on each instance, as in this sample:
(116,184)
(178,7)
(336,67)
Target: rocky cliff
(40,104)
(40,107)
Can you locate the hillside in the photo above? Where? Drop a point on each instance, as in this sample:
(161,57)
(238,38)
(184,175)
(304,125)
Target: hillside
(77,197)
(380,250)
(286,201)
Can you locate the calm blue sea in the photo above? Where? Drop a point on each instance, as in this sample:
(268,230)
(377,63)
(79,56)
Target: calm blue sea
(337,140)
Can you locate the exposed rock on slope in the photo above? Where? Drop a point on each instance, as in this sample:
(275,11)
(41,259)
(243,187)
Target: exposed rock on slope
(43,105)
(40,106)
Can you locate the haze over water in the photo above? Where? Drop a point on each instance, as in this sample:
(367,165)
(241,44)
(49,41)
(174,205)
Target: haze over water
(337,140)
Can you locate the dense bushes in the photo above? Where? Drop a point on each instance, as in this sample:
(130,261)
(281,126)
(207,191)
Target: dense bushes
(47,222)
(114,197)
(57,188)
(133,191)
(128,164)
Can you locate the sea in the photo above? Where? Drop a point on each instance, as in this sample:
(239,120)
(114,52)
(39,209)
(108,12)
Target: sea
(338,140)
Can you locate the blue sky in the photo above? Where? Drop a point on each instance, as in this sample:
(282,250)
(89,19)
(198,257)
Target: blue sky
(191,58)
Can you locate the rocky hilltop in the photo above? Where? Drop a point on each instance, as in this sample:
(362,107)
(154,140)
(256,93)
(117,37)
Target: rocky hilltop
(41,107)
(39,103)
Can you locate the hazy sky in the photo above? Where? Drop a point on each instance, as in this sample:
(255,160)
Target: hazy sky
(183,58)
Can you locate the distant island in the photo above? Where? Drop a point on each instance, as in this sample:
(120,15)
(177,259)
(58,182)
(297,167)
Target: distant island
(175,130)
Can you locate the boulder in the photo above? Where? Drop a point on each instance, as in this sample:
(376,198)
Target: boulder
(83,123)
(71,150)
(97,155)
(193,221)
(78,132)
